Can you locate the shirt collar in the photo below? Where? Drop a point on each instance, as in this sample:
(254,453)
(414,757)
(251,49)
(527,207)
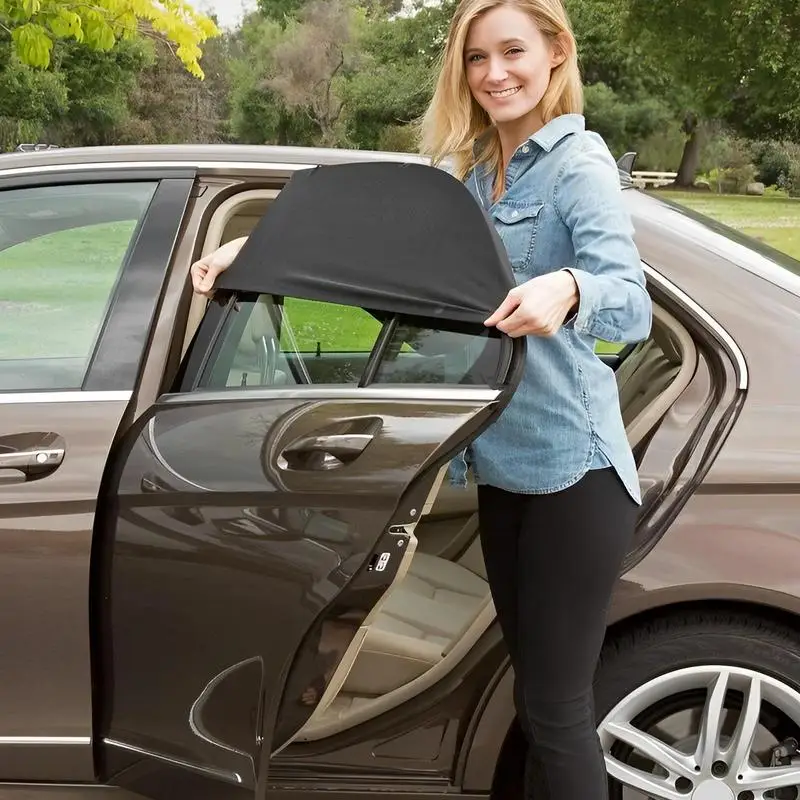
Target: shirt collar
(555,130)
(548,136)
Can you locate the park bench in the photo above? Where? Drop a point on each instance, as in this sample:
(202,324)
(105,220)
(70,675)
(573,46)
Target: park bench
(643,179)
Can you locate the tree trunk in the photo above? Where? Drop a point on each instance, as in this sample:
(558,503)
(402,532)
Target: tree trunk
(283,129)
(690,162)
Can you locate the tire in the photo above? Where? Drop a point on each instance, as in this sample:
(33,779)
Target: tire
(660,676)
(678,656)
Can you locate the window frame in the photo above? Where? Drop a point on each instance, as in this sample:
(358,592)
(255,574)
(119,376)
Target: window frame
(116,358)
(211,336)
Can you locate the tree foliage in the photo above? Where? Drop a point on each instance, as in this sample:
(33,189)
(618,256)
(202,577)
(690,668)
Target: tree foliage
(258,113)
(99,85)
(36,25)
(629,97)
(736,59)
(359,73)
(281,11)
(314,58)
(29,98)
(395,82)
(168,105)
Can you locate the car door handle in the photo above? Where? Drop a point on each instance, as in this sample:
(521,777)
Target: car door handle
(34,453)
(339,445)
(32,459)
(324,451)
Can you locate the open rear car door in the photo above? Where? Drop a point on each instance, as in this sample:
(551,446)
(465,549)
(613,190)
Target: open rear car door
(262,511)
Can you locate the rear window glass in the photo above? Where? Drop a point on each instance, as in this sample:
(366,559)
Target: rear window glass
(268,341)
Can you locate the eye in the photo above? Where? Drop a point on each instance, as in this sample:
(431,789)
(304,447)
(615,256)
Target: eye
(474,58)
(514,51)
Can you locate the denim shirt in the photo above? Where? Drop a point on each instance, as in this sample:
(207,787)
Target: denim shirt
(563,209)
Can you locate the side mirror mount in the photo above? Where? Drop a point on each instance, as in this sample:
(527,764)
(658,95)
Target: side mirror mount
(625,168)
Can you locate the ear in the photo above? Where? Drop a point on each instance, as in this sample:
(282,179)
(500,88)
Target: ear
(559,49)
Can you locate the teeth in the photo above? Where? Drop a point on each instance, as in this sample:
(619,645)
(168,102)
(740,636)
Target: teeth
(506,92)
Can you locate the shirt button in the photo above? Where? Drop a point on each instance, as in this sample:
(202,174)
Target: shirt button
(515,213)
(526,149)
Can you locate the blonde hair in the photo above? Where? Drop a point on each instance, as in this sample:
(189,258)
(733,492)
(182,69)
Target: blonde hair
(454,119)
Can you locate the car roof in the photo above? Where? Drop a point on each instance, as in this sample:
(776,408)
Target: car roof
(196,154)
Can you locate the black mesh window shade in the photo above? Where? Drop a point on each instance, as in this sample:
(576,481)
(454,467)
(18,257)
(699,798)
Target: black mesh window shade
(399,238)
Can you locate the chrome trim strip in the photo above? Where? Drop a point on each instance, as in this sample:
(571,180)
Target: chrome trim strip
(228,167)
(77,396)
(217,773)
(322,392)
(46,740)
(734,349)
(196,724)
(157,454)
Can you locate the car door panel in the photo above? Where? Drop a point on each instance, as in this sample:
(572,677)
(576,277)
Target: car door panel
(111,255)
(225,564)
(46,534)
(675,457)
(255,512)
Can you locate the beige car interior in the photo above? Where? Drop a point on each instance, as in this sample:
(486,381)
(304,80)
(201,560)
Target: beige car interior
(439,604)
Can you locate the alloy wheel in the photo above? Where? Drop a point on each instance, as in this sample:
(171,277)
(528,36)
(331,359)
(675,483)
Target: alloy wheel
(705,733)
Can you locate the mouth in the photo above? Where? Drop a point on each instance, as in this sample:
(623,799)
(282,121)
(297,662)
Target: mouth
(506,92)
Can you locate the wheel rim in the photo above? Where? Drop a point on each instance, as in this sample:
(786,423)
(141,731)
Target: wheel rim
(729,719)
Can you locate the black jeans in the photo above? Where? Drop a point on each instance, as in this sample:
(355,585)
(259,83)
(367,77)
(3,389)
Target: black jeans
(552,562)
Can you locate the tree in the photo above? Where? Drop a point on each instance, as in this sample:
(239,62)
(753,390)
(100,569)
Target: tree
(395,81)
(736,58)
(628,95)
(99,86)
(168,105)
(29,99)
(281,11)
(258,113)
(313,60)
(35,26)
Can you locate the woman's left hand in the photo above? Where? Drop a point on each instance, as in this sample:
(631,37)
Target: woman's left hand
(537,307)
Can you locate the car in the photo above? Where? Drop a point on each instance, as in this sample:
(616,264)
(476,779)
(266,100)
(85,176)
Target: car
(231,563)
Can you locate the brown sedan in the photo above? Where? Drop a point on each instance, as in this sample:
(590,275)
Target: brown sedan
(231,565)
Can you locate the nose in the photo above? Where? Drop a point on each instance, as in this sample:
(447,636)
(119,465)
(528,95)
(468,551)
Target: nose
(497,71)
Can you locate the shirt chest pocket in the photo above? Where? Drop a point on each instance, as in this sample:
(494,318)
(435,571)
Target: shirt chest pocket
(517,225)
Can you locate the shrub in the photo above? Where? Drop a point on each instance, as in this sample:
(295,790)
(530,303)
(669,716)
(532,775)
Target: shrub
(728,162)
(661,151)
(398,139)
(624,121)
(772,161)
(793,178)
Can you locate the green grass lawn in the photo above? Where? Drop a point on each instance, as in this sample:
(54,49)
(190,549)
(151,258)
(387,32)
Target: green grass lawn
(342,328)
(774,220)
(54,290)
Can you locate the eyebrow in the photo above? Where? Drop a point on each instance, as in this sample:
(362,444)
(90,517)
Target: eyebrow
(504,43)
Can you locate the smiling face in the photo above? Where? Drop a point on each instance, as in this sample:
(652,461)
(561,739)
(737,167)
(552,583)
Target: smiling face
(508,61)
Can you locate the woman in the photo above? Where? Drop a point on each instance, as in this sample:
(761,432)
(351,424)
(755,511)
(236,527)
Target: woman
(557,485)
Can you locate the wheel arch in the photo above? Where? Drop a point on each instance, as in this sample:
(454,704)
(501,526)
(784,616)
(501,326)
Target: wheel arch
(492,758)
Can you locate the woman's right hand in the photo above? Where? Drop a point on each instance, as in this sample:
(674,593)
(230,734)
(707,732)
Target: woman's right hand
(205,271)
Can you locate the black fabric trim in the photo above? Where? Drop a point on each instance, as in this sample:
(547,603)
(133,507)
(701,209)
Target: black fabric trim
(398,238)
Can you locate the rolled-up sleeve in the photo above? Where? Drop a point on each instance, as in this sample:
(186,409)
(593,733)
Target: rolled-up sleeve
(614,304)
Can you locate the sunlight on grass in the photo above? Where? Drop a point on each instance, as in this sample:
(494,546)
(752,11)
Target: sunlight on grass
(774,220)
(335,328)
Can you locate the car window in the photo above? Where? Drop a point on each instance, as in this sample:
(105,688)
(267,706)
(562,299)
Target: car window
(336,328)
(61,249)
(419,352)
(273,342)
